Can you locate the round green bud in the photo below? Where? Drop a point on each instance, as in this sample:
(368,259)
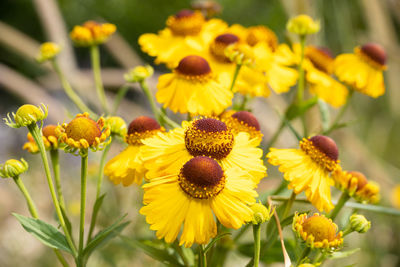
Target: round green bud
(27,115)
(13,168)
(261,213)
(117,125)
(303,25)
(359,223)
(139,74)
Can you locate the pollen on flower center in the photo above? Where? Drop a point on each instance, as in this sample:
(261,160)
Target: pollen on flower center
(201,177)
(193,67)
(83,127)
(140,128)
(209,137)
(221,42)
(320,227)
(186,22)
(322,150)
(247,118)
(374,52)
(321,58)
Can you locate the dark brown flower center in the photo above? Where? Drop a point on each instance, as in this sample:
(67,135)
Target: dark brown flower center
(143,124)
(321,58)
(326,145)
(209,137)
(184,13)
(375,52)
(247,118)
(201,177)
(193,66)
(221,42)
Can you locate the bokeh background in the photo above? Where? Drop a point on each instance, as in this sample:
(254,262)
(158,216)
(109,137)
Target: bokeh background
(370,144)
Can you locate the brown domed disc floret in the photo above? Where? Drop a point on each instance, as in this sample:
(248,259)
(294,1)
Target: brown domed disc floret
(193,67)
(201,177)
(220,43)
(83,128)
(248,118)
(375,52)
(322,150)
(140,128)
(321,58)
(209,137)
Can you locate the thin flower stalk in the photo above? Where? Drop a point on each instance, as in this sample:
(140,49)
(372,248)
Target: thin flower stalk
(95,57)
(257,243)
(35,131)
(54,155)
(84,164)
(342,200)
(235,75)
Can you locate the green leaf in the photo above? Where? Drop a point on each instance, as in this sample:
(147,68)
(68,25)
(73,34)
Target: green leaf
(104,235)
(218,237)
(342,254)
(44,232)
(296,110)
(161,255)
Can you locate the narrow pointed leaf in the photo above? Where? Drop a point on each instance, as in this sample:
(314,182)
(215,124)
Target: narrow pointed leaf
(44,232)
(218,237)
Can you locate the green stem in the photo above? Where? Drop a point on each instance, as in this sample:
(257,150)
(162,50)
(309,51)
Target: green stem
(246,99)
(202,256)
(257,243)
(235,75)
(54,155)
(37,136)
(340,114)
(34,213)
(301,84)
(305,253)
(69,91)
(98,191)
(95,57)
(181,254)
(342,200)
(84,164)
(29,201)
(288,205)
(118,98)
(160,116)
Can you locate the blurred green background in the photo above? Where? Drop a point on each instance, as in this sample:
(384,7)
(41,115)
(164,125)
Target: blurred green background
(371,144)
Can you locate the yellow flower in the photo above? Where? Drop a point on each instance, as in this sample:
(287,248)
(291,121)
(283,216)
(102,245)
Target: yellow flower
(303,25)
(187,33)
(83,133)
(192,196)
(193,88)
(319,64)
(242,121)
(48,51)
(167,152)
(49,137)
(92,33)
(357,186)
(13,168)
(317,231)
(26,115)
(363,70)
(262,34)
(308,168)
(127,167)
(395,198)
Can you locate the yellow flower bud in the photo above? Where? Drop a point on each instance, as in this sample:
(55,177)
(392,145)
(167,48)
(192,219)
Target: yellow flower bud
(13,168)
(117,125)
(241,54)
(26,115)
(261,213)
(359,223)
(139,74)
(306,265)
(48,51)
(92,33)
(303,25)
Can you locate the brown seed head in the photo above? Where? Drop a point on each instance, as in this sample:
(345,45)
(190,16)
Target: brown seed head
(374,52)
(326,145)
(202,171)
(142,124)
(248,118)
(193,66)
